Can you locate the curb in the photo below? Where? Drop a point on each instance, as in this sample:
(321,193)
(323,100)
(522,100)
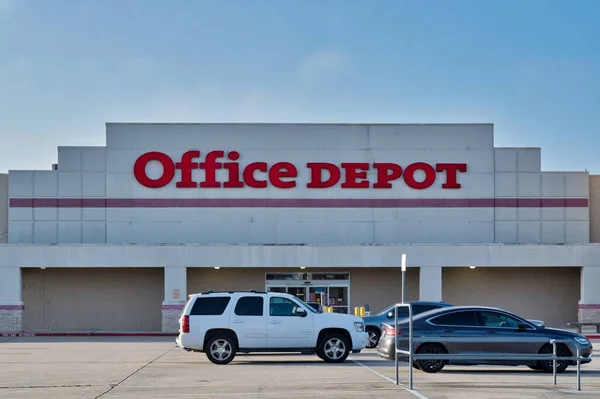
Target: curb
(88,334)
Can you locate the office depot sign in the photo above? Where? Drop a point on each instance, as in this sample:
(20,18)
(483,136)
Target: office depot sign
(283,174)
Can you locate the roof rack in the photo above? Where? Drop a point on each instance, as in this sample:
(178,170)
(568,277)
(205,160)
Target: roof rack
(234,292)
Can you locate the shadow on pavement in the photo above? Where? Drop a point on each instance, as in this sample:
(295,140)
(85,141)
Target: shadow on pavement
(569,373)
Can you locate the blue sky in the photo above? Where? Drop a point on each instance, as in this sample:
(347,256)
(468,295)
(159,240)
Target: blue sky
(530,67)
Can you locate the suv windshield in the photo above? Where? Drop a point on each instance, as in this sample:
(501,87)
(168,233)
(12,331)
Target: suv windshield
(306,305)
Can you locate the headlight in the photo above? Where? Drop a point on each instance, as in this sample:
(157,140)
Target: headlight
(582,341)
(359,326)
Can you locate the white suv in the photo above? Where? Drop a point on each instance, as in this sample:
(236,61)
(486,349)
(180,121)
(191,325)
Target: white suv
(222,324)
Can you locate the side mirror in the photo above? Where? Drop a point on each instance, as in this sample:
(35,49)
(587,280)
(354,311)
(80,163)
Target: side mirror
(300,312)
(522,326)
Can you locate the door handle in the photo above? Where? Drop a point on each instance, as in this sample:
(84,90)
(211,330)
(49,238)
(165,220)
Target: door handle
(275,322)
(448,330)
(238,321)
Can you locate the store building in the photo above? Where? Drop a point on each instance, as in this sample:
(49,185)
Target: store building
(116,237)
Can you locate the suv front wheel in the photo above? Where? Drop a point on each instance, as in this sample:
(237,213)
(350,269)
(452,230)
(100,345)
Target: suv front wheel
(334,348)
(221,349)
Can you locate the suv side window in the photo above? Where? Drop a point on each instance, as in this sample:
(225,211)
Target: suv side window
(464,318)
(282,307)
(249,306)
(210,306)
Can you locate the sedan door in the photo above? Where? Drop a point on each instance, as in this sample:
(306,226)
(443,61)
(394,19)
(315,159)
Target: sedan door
(462,325)
(504,327)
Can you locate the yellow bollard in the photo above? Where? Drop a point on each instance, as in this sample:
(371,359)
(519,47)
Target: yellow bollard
(356,311)
(362,311)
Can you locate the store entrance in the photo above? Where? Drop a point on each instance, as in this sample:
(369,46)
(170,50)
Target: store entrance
(328,289)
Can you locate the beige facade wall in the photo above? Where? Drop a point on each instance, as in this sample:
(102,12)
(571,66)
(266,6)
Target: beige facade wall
(549,294)
(3,208)
(595,208)
(127,299)
(381,287)
(377,287)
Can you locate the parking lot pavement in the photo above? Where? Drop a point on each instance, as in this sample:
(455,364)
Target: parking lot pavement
(130,368)
(134,367)
(483,382)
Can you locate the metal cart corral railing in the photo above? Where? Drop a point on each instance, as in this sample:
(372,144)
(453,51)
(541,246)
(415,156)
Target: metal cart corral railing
(509,356)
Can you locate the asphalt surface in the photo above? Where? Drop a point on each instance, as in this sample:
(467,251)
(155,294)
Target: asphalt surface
(135,367)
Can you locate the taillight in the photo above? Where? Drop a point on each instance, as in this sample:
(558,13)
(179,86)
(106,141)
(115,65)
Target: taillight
(391,331)
(185,324)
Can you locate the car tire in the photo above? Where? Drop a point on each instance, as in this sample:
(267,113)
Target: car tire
(221,349)
(561,365)
(416,366)
(334,348)
(374,336)
(431,366)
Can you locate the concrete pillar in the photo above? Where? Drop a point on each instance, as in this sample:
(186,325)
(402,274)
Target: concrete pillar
(11,302)
(589,304)
(175,297)
(430,284)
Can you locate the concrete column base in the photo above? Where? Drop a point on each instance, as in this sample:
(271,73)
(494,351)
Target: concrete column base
(11,317)
(170,316)
(589,313)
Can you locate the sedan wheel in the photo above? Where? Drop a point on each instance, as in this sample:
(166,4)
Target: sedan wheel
(431,365)
(373,338)
(561,365)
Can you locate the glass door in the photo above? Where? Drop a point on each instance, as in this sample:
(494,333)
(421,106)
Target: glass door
(298,292)
(327,288)
(317,294)
(338,299)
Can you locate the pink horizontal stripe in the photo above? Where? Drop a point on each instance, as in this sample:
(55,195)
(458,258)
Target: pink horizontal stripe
(12,307)
(588,306)
(88,334)
(173,307)
(298,203)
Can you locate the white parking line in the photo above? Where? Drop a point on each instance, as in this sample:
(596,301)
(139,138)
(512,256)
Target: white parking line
(417,394)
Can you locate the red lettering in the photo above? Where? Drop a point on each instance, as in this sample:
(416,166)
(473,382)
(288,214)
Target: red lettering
(210,167)
(234,171)
(451,170)
(284,174)
(316,169)
(409,175)
(352,175)
(284,170)
(249,174)
(139,169)
(386,172)
(186,166)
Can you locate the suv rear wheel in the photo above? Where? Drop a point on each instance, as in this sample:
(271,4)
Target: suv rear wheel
(221,349)
(334,348)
